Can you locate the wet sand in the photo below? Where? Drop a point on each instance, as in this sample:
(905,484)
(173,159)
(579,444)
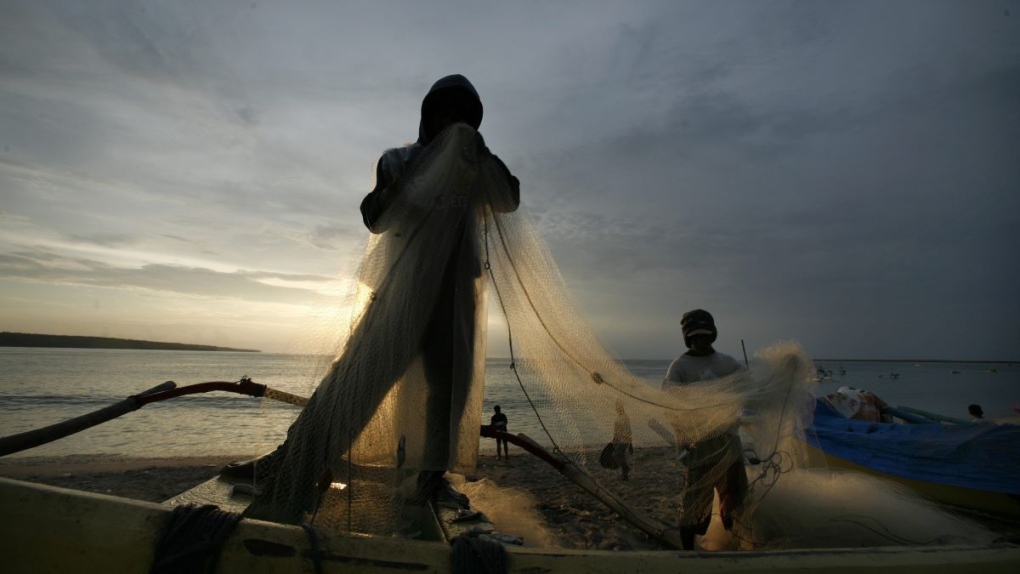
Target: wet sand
(152,480)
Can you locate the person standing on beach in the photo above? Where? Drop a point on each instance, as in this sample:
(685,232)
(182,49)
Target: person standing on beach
(703,473)
(499,423)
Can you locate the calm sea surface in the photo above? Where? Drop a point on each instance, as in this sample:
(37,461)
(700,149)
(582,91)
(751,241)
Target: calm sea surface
(39,387)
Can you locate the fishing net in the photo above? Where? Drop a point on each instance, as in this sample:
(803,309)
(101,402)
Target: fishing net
(404,394)
(405,391)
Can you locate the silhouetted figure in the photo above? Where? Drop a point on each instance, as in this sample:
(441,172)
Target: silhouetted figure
(623,443)
(976,413)
(444,321)
(704,472)
(499,422)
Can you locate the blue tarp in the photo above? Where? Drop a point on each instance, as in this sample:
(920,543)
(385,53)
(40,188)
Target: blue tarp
(978,456)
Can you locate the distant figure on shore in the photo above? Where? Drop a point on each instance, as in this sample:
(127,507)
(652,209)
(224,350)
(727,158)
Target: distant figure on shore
(499,422)
(715,464)
(623,442)
(976,413)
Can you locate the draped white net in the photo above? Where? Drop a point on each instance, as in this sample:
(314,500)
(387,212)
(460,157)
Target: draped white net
(405,391)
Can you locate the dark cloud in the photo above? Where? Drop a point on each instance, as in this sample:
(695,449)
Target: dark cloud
(807,170)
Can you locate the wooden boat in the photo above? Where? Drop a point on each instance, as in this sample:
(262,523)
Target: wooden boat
(45,529)
(970,466)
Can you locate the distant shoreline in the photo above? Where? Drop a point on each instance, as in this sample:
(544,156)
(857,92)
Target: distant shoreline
(8,339)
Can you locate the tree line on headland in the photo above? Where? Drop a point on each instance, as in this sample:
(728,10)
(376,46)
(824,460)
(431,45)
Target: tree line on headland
(8,339)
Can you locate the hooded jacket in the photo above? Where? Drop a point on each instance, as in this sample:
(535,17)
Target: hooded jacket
(455,91)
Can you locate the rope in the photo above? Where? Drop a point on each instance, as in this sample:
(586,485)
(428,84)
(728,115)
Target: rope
(192,539)
(596,377)
(473,555)
(313,541)
(510,335)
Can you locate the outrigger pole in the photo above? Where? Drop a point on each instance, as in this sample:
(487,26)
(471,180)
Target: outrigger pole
(168,390)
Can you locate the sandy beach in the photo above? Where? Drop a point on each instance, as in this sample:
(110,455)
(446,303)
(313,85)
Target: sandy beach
(523,496)
(149,479)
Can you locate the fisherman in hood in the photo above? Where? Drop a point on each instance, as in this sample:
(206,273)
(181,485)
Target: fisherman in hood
(406,390)
(448,350)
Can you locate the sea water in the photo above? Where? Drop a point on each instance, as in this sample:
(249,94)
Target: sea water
(39,387)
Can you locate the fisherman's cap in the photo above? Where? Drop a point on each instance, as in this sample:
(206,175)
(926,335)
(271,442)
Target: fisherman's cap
(698,322)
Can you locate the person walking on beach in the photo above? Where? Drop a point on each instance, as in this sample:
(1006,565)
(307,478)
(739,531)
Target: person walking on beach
(714,463)
(499,423)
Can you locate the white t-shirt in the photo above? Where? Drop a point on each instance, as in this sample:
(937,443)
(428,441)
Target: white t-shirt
(691,369)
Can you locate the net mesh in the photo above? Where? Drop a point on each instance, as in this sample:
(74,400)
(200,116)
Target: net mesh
(404,394)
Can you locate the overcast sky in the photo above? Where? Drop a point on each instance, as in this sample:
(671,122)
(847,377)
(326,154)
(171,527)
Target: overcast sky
(845,174)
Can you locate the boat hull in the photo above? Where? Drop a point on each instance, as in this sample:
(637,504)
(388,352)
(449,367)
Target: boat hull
(46,529)
(994,503)
(971,466)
